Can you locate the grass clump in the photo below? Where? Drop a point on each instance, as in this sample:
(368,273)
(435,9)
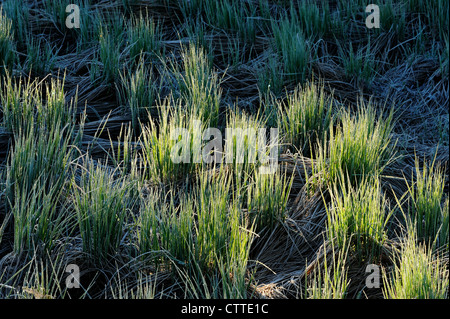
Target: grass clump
(18,100)
(360,66)
(357,216)
(198,85)
(166,230)
(268,196)
(172,147)
(144,37)
(436,12)
(17,12)
(44,157)
(249,146)
(417,274)
(204,239)
(90,28)
(293,48)
(222,238)
(427,211)
(57,11)
(393,19)
(329,281)
(38,220)
(101,203)
(315,21)
(361,146)
(270,77)
(138,92)
(234,16)
(36,175)
(40,57)
(6,43)
(109,56)
(28,106)
(305,118)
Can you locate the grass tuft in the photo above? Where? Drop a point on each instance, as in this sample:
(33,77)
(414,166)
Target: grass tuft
(417,274)
(29,105)
(138,92)
(144,36)
(329,281)
(357,216)
(305,118)
(172,146)
(101,203)
(198,85)
(361,146)
(37,172)
(293,48)
(6,43)
(427,211)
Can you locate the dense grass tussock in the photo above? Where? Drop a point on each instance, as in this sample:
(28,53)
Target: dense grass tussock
(417,274)
(428,212)
(38,169)
(361,145)
(224,149)
(305,118)
(357,216)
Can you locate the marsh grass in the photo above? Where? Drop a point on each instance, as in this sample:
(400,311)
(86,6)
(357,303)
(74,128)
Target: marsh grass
(144,215)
